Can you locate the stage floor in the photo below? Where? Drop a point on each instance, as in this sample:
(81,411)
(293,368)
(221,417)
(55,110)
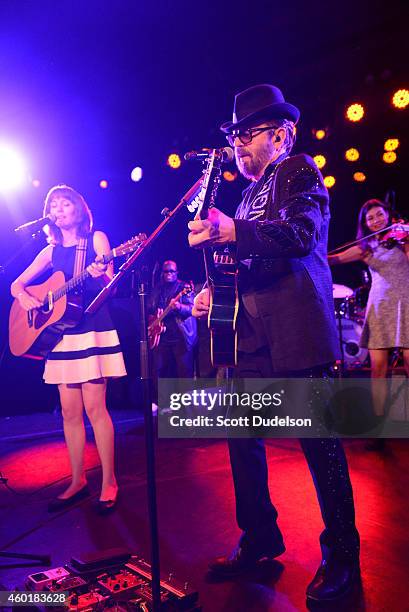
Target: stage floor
(196,513)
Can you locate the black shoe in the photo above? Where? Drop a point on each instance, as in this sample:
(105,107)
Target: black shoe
(106,507)
(242,560)
(333,580)
(59,503)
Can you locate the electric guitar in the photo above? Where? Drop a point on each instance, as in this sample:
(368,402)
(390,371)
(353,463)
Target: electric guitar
(36,332)
(156,327)
(221,275)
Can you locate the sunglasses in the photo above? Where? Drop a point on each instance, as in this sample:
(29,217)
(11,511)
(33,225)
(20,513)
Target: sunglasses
(246,136)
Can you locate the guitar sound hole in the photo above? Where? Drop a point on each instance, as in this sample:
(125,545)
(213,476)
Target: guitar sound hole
(41,318)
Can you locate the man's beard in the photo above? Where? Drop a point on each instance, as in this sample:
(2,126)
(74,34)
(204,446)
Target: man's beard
(251,166)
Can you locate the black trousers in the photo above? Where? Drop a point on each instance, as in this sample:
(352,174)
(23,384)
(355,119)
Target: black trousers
(173,360)
(256,515)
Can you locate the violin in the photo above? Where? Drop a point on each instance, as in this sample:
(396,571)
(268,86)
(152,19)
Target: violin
(398,235)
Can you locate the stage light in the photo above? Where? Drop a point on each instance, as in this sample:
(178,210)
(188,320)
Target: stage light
(103,184)
(391,144)
(35,183)
(389,157)
(320,160)
(352,155)
(229,176)
(329,181)
(400,98)
(12,169)
(136,174)
(320,134)
(355,112)
(174,161)
(359,177)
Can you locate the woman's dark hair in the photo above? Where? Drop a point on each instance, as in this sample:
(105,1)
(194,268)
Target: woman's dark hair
(362,229)
(84,215)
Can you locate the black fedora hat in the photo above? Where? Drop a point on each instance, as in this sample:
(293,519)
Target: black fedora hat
(259,103)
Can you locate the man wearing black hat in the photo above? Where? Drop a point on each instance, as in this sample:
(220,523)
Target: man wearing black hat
(285,326)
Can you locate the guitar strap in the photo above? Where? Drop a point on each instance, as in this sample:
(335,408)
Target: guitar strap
(80,256)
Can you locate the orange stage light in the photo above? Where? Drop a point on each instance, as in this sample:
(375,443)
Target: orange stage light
(103,184)
(355,112)
(174,161)
(352,154)
(389,157)
(320,160)
(391,144)
(329,181)
(229,176)
(400,98)
(359,177)
(320,134)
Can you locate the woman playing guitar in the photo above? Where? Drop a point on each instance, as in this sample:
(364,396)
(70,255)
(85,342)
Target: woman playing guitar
(88,353)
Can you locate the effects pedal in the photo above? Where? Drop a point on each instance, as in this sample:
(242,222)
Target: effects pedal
(87,602)
(69,583)
(121,583)
(41,580)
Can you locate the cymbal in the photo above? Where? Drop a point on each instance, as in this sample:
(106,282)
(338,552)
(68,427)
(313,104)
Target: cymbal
(341,291)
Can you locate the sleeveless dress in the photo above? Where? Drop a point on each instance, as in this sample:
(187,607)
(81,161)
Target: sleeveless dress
(387,313)
(91,350)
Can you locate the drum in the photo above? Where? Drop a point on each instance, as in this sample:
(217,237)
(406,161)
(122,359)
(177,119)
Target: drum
(339,292)
(349,333)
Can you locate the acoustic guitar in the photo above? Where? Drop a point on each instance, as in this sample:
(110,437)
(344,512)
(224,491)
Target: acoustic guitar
(36,332)
(156,328)
(221,274)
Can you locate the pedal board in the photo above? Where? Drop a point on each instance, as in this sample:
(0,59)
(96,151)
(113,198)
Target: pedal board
(125,587)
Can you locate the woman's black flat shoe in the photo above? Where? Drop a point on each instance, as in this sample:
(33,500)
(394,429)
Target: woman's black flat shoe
(58,503)
(106,507)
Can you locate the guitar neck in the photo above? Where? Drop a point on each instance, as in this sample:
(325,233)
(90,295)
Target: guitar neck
(80,278)
(167,309)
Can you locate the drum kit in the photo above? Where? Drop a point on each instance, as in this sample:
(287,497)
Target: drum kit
(350,313)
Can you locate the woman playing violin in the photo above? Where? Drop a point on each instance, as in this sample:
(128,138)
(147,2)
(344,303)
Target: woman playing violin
(386,323)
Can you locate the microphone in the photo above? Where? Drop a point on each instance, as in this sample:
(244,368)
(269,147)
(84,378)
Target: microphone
(226,154)
(35,226)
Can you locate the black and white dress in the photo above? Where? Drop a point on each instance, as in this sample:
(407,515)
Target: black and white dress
(91,350)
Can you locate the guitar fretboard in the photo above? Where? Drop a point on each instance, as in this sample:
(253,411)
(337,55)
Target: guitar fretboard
(77,280)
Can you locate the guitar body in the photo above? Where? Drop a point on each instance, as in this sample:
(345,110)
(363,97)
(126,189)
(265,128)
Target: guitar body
(221,276)
(35,333)
(154,332)
(224,305)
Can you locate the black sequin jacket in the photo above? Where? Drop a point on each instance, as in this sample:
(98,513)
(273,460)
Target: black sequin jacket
(285,284)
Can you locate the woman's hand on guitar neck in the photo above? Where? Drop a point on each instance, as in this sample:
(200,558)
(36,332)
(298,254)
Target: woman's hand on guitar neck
(97,268)
(218,228)
(201,304)
(27,301)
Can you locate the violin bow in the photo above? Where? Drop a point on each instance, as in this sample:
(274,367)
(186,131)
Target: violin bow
(358,240)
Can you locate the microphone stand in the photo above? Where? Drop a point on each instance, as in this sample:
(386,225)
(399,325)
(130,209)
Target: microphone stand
(36,559)
(146,376)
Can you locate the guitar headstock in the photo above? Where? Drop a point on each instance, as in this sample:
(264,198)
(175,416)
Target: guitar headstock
(130,245)
(188,288)
(210,182)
